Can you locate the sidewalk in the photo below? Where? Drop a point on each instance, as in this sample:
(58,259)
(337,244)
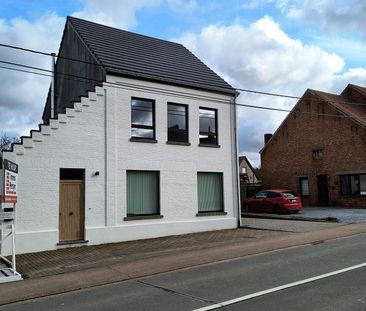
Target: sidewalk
(83,267)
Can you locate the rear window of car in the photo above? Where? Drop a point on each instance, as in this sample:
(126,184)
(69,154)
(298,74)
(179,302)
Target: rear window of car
(289,195)
(261,195)
(273,195)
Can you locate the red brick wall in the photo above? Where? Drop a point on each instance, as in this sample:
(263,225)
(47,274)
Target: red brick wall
(289,154)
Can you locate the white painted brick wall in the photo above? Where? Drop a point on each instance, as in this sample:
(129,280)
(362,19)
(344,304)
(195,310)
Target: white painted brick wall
(79,142)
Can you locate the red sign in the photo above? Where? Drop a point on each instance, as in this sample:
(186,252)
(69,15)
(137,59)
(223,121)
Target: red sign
(10,182)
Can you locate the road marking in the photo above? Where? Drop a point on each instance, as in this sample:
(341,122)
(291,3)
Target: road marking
(278,288)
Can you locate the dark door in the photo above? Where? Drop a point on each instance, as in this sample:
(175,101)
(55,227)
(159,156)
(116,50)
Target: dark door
(323,195)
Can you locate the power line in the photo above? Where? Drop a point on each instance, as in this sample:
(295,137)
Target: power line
(120,86)
(114,67)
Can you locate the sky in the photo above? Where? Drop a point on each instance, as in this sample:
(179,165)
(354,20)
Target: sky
(278,46)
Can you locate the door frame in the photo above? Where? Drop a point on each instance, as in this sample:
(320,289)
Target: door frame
(323,189)
(71,176)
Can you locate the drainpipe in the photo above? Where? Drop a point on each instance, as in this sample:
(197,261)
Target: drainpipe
(236,161)
(53,56)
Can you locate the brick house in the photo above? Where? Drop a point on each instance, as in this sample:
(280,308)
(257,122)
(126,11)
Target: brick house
(319,150)
(139,142)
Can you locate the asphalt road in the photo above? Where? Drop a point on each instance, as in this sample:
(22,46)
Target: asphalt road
(207,285)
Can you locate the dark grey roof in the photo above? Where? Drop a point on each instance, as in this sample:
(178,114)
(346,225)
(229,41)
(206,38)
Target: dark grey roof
(129,54)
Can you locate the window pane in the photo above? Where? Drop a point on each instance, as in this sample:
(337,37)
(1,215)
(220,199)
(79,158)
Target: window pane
(304,185)
(142,133)
(208,133)
(210,194)
(345,185)
(363,184)
(142,193)
(142,112)
(177,123)
(355,184)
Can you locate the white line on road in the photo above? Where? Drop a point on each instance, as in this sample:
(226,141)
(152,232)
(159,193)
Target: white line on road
(278,288)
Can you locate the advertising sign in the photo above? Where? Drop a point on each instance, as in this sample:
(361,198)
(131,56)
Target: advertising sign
(10,180)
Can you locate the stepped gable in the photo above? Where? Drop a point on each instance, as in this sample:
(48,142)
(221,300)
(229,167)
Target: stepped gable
(36,136)
(130,54)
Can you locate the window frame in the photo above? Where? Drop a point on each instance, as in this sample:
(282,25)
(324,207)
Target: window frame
(348,184)
(212,212)
(147,127)
(186,120)
(301,179)
(216,144)
(158,199)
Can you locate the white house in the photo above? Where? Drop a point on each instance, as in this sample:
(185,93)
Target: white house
(140,142)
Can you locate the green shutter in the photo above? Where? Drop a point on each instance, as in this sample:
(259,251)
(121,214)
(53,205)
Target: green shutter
(142,193)
(210,196)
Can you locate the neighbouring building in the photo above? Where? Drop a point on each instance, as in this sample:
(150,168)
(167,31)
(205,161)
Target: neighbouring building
(249,180)
(139,142)
(319,150)
(247,172)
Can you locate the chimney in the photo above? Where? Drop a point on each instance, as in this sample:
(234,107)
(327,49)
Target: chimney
(267,137)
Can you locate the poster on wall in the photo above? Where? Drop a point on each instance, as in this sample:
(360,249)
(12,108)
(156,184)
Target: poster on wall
(9,182)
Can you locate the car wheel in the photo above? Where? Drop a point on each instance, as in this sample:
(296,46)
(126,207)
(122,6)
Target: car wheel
(276,209)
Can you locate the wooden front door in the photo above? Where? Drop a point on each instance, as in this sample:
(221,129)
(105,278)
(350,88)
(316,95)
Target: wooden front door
(71,215)
(323,194)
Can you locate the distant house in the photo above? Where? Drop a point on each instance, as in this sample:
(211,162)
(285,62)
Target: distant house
(249,180)
(319,150)
(139,142)
(247,172)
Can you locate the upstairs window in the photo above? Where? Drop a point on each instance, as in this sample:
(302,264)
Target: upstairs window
(317,154)
(142,118)
(208,126)
(177,123)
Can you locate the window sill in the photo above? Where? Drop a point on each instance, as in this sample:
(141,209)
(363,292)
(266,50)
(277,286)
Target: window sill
(142,217)
(208,145)
(143,140)
(72,242)
(211,214)
(179,143)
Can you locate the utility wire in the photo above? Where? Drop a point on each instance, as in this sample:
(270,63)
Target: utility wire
(114,67)
(120,86)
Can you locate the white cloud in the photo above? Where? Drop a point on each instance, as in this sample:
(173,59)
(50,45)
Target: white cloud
(333,16)
(263,57)
(121,14)
(23,95)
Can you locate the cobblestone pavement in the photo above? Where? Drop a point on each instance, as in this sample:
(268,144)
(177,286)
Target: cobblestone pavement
(317,213)
(287,225)
(80,258)
(344,215)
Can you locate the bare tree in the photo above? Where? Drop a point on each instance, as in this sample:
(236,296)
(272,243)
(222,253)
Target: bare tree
(6,141)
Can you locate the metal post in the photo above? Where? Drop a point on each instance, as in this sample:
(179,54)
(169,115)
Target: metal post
(53,56)
(13,255)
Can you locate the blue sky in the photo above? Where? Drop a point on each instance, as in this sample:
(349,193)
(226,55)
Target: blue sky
(283,46)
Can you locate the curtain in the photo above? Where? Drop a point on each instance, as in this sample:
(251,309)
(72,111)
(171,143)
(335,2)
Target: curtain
(210,195)
(142,193)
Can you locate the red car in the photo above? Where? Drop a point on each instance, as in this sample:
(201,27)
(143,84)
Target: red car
(274,200)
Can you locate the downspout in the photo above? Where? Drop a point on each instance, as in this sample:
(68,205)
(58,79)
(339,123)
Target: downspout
(235,162)
(53,55)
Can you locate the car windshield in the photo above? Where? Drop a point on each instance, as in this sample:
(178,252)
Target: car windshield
(289,195)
